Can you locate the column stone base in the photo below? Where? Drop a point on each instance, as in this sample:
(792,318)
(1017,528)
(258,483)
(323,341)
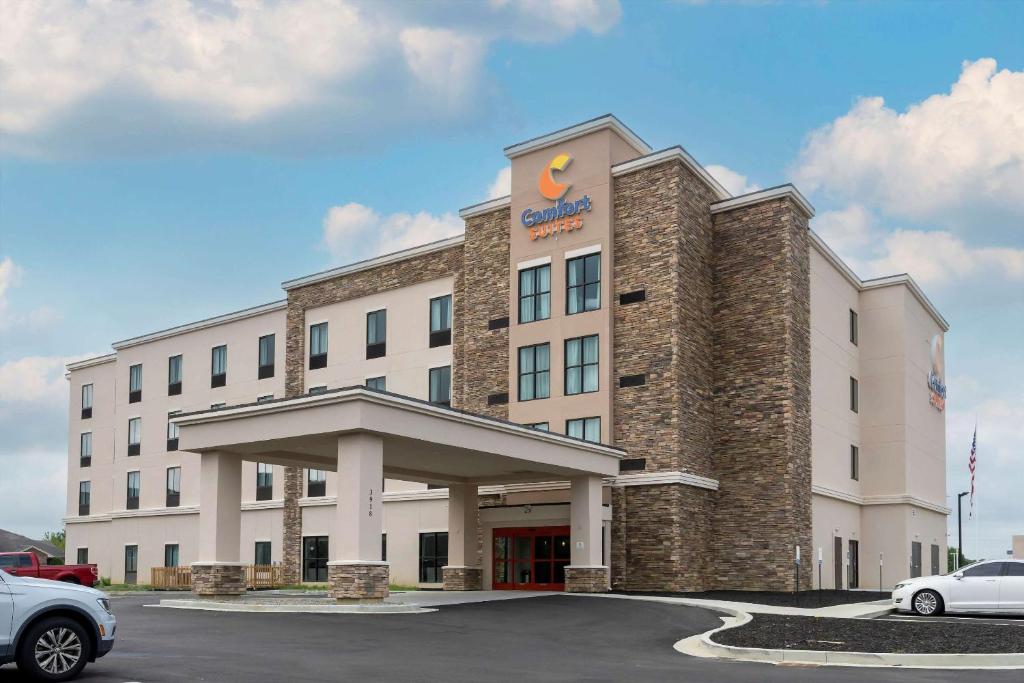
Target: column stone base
(354,582)
(462,578)
(218,579)
(586,579)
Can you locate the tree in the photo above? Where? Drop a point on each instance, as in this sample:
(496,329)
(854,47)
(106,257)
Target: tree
(55,538)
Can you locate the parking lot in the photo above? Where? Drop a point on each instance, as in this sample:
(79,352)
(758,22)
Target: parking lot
(554,638)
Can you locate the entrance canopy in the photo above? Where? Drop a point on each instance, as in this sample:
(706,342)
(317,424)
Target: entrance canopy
(421,441)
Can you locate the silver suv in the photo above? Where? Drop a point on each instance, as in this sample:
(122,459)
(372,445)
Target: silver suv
(51,628)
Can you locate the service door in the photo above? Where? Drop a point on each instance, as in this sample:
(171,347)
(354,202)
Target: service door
(915,559)
(854,578)
(935,560)
(837,561)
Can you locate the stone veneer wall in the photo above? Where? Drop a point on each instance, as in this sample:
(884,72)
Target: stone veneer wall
(762,397)
(433,266)
(218,579)
(663,244)
(480,363)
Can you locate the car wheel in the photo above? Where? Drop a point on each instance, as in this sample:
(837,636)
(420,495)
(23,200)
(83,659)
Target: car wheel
(55,649)
(927,603)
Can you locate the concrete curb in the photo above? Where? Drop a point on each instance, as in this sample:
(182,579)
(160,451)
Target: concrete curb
(241,606)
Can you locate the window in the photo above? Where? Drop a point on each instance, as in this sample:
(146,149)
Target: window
(264,481)
(987,569)
(262,555)
(854,395)
(534,372)
(85,449)
(586,428)
(318,346)
(384,548)
(535,293)
(441,321)
(853,327)
(583,284)
(174,375)
(217,406)
(82,556)
(855,463)
(266,366)
(1010,568)
(173,487)
(316,483)
(433,556)
(134,436)
(135,383)
(441,385)
(318,389)
(378,383)
(134,485)
(171,555)
(542,426)
(172,431)
(581,376)
(131,564)
(84,497)
(265,399)
(86,401)
(376,334)
(218,366)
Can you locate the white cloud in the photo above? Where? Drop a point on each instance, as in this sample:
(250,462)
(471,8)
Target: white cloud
(735,183)
(355,231)
(9,274)
(845,230)
(960,150)
(154,73)
(502,185)
(937,258)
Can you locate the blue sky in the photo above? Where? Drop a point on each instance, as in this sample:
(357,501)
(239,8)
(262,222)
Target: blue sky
(131,161)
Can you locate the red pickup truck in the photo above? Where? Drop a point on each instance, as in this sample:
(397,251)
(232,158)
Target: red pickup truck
(27,564)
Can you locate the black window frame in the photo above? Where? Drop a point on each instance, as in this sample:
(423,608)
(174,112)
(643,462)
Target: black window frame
(82,556)
(378,348)
(265,370)
(84,497)
(265,490)
(431,564)
(131,569)
(134,448)
(571,290)
(535,372)
(430,385)
(257,547)
(218,379)
(87,389)
(583,421)
(132,502)
(377,380)
(173,486)
(854,462)
(582,366)
(177,555)
(317,488)
(172,431)
(84,459)
(174,386)
(442,336)
(854,395)
(854,328)
(321,333)
(134,395)
(539,426)
(536,295)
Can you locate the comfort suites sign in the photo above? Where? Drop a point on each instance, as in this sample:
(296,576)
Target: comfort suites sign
(565,215)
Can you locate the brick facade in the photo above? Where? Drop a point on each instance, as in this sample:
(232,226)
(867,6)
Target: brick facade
(586,579)
(463,578)
(218,580)
(357,582)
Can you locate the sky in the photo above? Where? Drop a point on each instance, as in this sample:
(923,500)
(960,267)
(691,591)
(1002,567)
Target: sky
(162,162)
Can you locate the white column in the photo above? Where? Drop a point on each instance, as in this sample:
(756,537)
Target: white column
(360,510)
(220,507)
(463,504)
(585,522)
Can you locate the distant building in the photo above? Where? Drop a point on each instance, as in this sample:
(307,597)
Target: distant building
(1018,548)
(11,542)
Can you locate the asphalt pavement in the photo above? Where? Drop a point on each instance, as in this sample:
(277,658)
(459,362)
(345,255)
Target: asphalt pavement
(559,638)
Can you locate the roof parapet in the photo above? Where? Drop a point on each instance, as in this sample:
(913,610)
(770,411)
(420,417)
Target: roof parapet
(777,192)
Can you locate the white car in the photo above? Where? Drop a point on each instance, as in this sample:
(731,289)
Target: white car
(51,628)
(992,587)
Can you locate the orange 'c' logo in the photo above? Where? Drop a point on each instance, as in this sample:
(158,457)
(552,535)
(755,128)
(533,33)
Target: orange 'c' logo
(548,187)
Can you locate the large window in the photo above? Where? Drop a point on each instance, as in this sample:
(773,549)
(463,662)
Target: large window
(82,556)
(134,436)
(266,357)
(441,321)
(171,555)
(583,284)
(441,385)
(133,490)
(433,556)
(854,395)
(376,334)
(85,449)
(586,428)
(172,431)
(86,401)
(173,487)
(534,372)
(315,551)
(174,367)
(854,333)
(535,293)
(581,365)
(378,383)
(318,346)
(264,481)
(131,564)
(84,497)
(854,463)
(262,555)
(135,383)
(316,483)
(218,366)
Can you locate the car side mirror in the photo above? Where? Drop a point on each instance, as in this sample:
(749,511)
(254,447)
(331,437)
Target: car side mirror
(958,576)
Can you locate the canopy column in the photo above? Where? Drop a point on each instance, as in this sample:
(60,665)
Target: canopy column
(587,573)
(218,573)
(463,572)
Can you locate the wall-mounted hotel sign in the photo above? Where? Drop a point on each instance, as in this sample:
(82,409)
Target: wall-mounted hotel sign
(564,216)
(936,377)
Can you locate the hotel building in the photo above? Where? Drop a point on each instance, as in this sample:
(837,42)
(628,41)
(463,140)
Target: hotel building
(619,376)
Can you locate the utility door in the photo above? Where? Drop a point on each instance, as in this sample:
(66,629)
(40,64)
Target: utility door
(837,562)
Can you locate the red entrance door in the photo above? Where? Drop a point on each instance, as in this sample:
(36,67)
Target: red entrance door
(530,558)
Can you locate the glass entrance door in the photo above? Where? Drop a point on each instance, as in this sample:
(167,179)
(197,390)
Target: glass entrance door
(530,558)
(314,559)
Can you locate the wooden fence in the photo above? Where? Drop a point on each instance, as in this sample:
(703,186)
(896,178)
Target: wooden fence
(180,578)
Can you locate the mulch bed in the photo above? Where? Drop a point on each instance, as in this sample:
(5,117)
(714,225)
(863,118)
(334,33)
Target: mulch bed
(872,635)
(807,599)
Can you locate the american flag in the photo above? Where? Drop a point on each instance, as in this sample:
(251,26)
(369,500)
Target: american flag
(972,464)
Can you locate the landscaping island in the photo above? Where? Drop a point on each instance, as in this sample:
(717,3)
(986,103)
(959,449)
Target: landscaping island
(806,599)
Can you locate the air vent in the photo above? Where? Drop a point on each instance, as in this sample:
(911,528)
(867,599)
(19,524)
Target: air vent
(632,464)
(497,399)
(633,297)
(632,380)
(497,323)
